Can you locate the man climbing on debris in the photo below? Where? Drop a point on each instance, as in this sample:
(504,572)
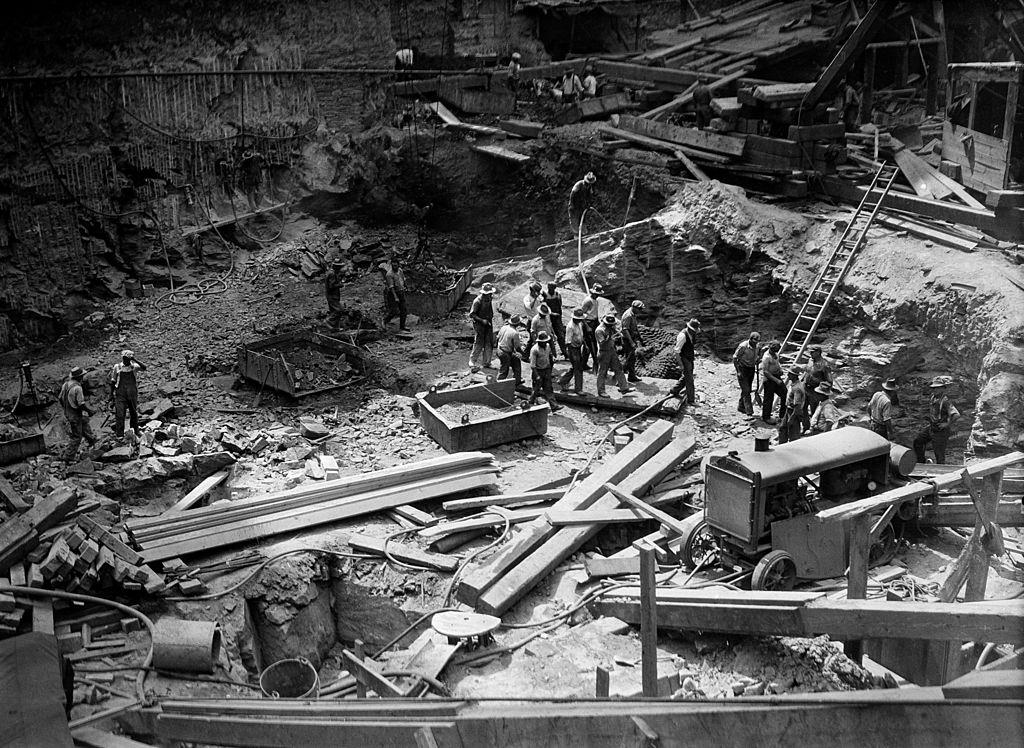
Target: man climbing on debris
(818,371)
(687,354)
(589,308)
(481,313)
(771,376)
(541,365)
(791,423)
(124,392)
(880,409)
(702,103)
(581,198)
(394,287)
(631,339)
(554,301)
(575,342)
(510,349)
(942,414)
(608,357)
(72,399)
(744,360)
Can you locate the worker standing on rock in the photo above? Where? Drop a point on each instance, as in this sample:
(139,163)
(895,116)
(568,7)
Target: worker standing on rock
(608,357)
(124,391)
(554,301)
(72,399)
(687,354)
(880,409)
(702,103)
(510,349)
(482,315)
(541,362)
(791,423)
(394,286)
(942,414)
(818,371)
(589,308)
(744,360)
(631,339)
(576,342)
(581,198)
(771,375)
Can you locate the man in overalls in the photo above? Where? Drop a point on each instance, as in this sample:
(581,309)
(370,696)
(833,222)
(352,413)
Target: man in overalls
(124,391)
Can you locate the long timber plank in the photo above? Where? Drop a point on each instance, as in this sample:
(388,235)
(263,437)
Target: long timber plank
(479,577)
(505,592)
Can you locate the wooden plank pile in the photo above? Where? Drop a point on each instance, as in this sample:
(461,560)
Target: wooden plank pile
(538,547)
(245,520)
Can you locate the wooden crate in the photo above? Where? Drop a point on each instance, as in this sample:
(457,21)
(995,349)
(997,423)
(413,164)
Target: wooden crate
(486,432)
(434,305)
(278,374)
(20,449)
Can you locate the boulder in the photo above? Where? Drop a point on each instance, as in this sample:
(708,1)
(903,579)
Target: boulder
(312,429)
(210,462)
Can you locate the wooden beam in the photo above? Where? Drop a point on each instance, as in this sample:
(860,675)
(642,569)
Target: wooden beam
(402,552)
(859,547)
(918,490)
(648,623)
(852,47)
(667,520)
(691,166)
(987,503)
(590,517)
(510,499)
(196,494)
(495,519)
(706,140)
(369,677)
(680,101)
(663,145)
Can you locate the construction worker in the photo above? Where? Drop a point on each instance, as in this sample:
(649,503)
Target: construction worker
(827,416)
(124,392)
(571,86)
(554,301)
(515,67)
(510,349)
(702,103)
(942,414)
(532,301)
(394,287)
(744,360)
(590,313)
(818,371)
(251,171)
(576,342)
(72,399)
(686,353)
(791,422)
(541,365)
(332,288)
(589,88)
(581,198)
(771,376)
(608,357)
(880,409)
(851,105)
(481,313)
(631,339)
(541,322)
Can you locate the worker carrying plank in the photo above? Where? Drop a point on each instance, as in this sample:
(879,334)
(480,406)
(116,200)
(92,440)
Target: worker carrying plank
(942,414)
(581,198)
(124,392)
(72,399)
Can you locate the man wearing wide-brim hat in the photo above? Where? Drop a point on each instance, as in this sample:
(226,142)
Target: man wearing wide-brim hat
(942,414)
(124,391)
(575,344)
(72,399)
(481,314)
(880,408)
(510,349)
(791,424)
(541,364)
(592,320)
(608,357)
(686,351)
(826,415)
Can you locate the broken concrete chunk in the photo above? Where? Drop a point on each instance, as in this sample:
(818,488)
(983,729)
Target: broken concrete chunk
(312,429)
(314,470)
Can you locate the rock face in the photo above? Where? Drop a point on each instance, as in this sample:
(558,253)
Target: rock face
(905,310)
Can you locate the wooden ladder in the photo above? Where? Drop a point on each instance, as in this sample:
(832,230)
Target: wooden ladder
(794,347)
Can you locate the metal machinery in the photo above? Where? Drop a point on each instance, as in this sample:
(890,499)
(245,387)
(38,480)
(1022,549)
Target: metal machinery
(759,507)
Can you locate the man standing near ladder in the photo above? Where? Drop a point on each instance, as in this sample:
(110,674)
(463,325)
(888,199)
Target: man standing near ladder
(581,198)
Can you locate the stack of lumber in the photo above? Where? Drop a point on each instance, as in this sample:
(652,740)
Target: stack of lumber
(538,547)
(726,611)
(229,523)
(21,534)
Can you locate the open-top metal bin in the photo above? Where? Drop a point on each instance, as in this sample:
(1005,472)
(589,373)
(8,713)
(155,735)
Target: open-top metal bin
(301,364)
(511,422)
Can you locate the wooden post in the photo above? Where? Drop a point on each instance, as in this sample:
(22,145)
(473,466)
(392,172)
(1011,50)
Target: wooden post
(977,570)
(868,92)
(360,651)
(931,92)
(859,543)
(603,685)
(904,69)
(648,623)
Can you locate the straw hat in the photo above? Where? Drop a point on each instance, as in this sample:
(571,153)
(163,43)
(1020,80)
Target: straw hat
(596,289)
(77,372)
(637,304)
(824,389)
(693,324)
(609,319)
(578,314)
(487,289)
(543,337)
(127,353)
(590,178)
(544,309)
(939,382)
(889,384)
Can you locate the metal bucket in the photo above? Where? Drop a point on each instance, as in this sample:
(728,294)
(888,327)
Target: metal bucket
(290,679)
(186,646)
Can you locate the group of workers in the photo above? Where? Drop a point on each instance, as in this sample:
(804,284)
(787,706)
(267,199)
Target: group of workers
(123,387)
(805,398)
(570,89)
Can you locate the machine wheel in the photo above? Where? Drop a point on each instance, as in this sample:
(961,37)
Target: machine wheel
(775,571)
(883,550)
(697,544)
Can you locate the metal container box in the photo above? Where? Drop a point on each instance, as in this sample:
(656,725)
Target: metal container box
(434,305)
(500,428)
(277,373)
(20,449)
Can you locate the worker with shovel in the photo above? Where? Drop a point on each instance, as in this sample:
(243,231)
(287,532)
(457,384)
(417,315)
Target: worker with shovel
(124,392)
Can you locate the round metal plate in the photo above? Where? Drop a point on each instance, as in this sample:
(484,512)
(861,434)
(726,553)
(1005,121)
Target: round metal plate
(458,625)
